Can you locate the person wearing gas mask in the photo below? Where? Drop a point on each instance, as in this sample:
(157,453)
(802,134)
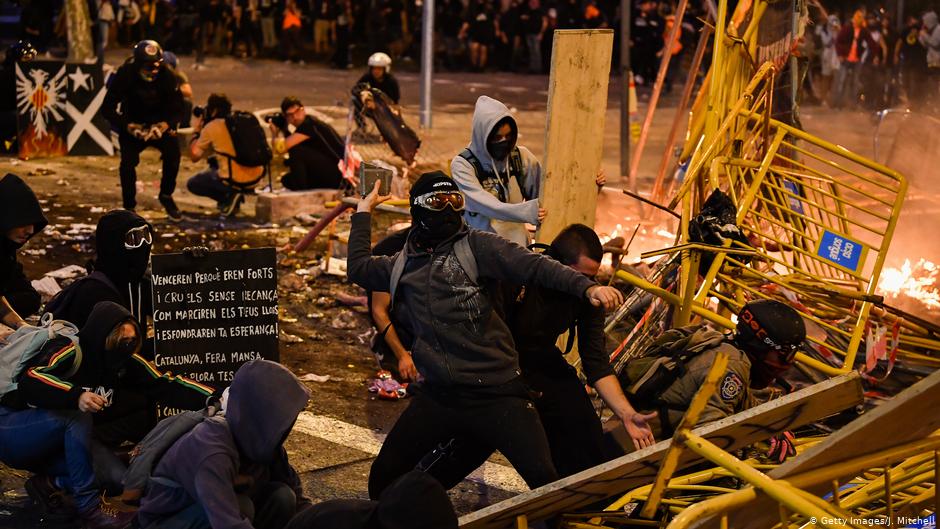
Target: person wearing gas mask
(21,218)
(118,272)
(499,178)
(151,105)
(439,286)
(46,423)
(763,347)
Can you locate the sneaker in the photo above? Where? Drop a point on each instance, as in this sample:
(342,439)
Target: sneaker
(105,516)
(170,206)
(230,207)
(51,500)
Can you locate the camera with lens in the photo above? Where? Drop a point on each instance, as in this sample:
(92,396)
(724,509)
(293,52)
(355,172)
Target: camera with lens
(278,119)
(199,111)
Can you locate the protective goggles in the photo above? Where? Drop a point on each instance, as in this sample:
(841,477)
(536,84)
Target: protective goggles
(437,201)
(137,237)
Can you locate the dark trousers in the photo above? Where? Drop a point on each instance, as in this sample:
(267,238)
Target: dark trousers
(291,44)
(208,184)
(574,432)
(53,442)
(506,423)
(131,148)
(311,169)
(271,508)
(341,54)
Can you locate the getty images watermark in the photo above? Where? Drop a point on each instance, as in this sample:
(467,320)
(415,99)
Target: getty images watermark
(928,522)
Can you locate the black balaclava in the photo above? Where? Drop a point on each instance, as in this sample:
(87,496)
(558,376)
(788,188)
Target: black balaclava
(120,264)
(500,150)
(432,227)
(104,318)
(767,331)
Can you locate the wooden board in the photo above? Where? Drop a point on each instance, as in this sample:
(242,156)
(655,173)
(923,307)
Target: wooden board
(574,133)
(909,416)
(640,468)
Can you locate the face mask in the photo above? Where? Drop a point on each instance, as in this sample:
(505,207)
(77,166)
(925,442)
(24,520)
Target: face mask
(432,227)
(499,150)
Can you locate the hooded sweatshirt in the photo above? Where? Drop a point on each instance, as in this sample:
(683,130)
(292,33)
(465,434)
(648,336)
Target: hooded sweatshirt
(460,341)
(394,510)
(46,381)
(18,207)
(484,211)
(263,403)
(142,102)
(931,39)
(127,283)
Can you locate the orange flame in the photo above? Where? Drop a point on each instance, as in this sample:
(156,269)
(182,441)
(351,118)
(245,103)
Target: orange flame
(917,282)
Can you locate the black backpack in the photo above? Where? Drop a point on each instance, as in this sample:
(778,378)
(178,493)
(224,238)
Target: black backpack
(251,145)
(494,183)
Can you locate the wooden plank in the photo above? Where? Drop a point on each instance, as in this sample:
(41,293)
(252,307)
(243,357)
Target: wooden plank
(909,416)
(574,133)
(640,467)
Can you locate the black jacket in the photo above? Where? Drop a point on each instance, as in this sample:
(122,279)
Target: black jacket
(142,102)
(542,315)
(388,85)
(45,384)
(459,339)
(18,207)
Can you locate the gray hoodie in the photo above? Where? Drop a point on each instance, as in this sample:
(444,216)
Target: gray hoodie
(484,211)
(264,401)
(931,39)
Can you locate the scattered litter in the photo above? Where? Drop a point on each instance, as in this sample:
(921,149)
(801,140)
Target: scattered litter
(34,251)
(324,301)
(167,235)
(344,320)
(313,377)
(68,272)
(47,287)
(386,387)
(290,338)
(315,315)
(65,217)
(292,282)
(335,267)
(313,272)
(299,230)
(96,209)
(287,319)
(41,171)
(216,245)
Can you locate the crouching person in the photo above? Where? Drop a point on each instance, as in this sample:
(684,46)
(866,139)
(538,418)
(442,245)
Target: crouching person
(46,422)
(233,472)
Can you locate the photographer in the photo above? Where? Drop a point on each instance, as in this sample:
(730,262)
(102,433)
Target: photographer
(211,132)
(151,105)
(314,149)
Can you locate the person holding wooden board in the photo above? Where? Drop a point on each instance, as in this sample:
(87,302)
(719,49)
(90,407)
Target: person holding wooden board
(472,382)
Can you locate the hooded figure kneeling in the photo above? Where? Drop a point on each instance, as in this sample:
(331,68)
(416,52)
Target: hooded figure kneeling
(233,472)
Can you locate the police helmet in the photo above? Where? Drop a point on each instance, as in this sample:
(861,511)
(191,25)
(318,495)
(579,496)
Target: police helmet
(380,60)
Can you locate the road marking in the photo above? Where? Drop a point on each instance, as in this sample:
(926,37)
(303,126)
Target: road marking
(369,441)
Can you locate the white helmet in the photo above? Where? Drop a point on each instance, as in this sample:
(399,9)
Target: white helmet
(381,60)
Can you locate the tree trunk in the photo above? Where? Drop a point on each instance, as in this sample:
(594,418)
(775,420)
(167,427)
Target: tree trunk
(78,23)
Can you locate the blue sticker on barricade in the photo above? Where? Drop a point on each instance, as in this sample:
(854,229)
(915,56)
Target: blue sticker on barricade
(841,251)
(795,203)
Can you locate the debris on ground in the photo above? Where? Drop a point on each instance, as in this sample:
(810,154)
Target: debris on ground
(386,387)
(313,377)
(345,320)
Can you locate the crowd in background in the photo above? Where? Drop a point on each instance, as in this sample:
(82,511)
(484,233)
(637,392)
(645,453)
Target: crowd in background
(859,59)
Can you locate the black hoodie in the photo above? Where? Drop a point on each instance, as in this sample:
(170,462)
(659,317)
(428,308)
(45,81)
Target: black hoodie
(414,501)
(264,401)
(127,282)
(142,102)
(18,207)
(46,381)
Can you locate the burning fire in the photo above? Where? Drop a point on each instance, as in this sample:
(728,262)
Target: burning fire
(917,282)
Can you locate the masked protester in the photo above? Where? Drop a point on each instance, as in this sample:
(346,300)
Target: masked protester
(537,316)
(46,423)
(193,484)
(499,178)
(118,273)
(439,288)
(763,347)
(151,106)
(414,501)
(21,218)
